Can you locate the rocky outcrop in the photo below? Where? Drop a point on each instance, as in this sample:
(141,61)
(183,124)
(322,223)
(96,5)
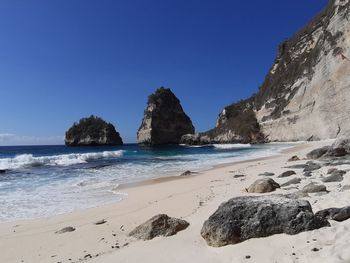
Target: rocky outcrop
(164,121)
(159,225)
(242,218)
(306,93)
(265,185)
(92,131)
(237,123)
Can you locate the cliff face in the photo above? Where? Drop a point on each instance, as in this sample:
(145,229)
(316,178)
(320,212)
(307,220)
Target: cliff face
(306,93)
(164,120)
(92,131)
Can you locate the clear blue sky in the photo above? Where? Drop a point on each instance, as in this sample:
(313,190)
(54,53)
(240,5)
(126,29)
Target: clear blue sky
(63,60)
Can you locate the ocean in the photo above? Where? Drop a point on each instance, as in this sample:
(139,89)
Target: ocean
(40,181)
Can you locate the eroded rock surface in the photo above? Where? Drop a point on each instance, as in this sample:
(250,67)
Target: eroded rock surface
(242,218)
(164,120)
(159,225)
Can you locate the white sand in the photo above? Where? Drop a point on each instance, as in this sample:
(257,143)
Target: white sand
(193,198)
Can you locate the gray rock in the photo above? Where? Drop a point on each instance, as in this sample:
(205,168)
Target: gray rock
(291,182)
(335,177)
(337,214)
(342,143)
(65,230)
(286,174)
(308,174)
(242,218)
(297,195)
(293,158)
(159,225)
(266,174)
(164,120)
(317,153)
(345,187)
(331,170)
(314,188)
(263,186)
(311,167)
(187,173)
(238,176)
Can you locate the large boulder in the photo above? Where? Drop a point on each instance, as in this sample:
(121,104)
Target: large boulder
(265,185)
(242,218)
(164,121)
(92,131)
(159,225)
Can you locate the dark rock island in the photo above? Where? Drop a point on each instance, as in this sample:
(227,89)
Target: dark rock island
(92,131)
(164,121)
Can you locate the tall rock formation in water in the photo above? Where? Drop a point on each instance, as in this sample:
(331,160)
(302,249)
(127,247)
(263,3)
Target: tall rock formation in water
(92,131)
(306,93)
(164,120)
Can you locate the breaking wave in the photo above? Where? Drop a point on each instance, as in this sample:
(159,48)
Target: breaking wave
(232,146)
(28,160)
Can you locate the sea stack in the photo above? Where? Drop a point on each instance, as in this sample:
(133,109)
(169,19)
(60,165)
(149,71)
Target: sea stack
(92,131)
(164,121)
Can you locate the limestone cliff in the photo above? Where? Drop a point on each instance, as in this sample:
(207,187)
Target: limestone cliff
(92,131)
(306,93)
(164,120)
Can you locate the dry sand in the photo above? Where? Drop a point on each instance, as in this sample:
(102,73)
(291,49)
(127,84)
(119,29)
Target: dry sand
(193,198)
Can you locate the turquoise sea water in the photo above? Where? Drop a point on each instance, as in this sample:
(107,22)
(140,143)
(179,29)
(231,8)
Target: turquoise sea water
(39,181)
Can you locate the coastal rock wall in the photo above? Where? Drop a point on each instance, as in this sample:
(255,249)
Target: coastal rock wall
(306,93)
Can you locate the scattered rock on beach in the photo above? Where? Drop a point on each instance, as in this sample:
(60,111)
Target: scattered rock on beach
(159,225)
(263,186)
(335,177)
(242,218)
(286,174)
(65,230)
(337,214)
(311,166)
(238,176)
(187,173)
(314,188)
(266,174)
(345,187)
(307,174)
(317,153)
(100,222)
(293,158)
(297,195)
(291,182)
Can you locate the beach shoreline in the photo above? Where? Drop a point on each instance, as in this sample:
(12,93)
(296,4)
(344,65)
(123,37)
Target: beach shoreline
(193,198)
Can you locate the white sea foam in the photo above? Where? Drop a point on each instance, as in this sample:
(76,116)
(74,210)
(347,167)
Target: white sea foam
(28,160)
(232,146)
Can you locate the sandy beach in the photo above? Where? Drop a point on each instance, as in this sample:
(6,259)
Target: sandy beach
(193,198)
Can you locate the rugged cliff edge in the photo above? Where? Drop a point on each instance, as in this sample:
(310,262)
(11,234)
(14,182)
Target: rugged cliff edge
(92,131)
(305,95)
(164,120)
